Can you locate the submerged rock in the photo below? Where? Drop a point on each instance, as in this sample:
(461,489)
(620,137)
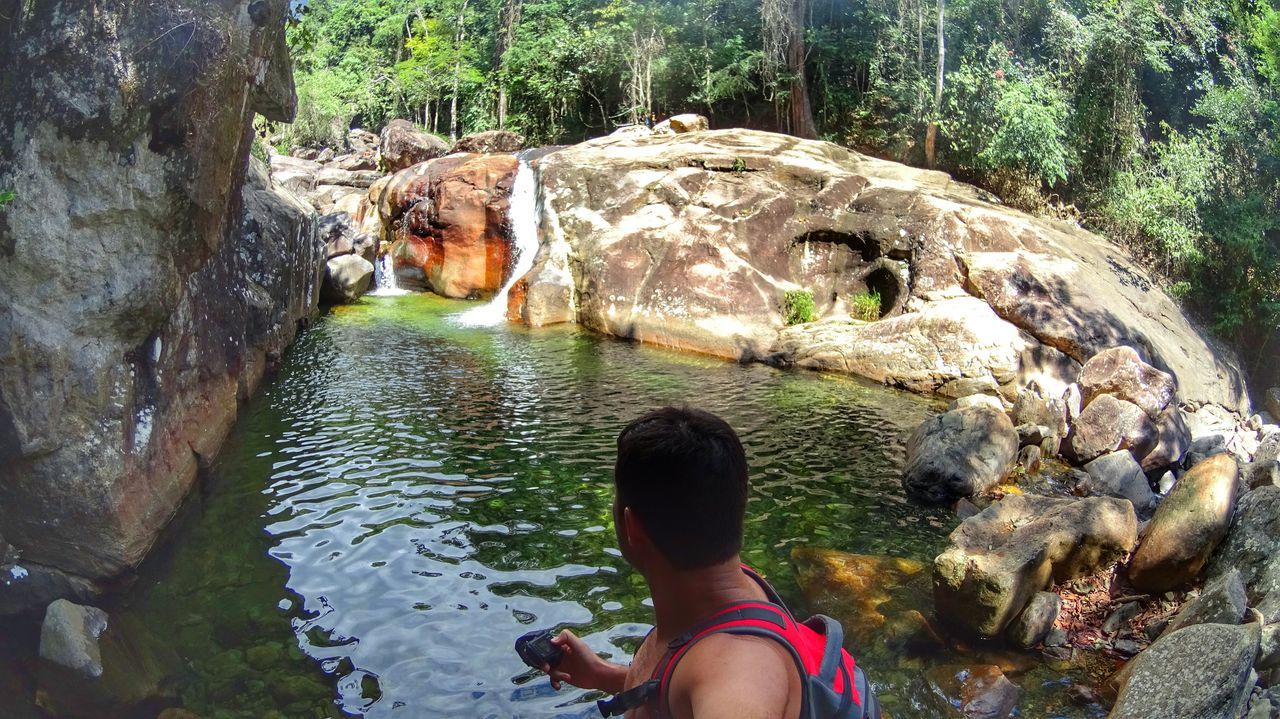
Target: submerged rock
(1187,527)
(877,599)
(1201,671)
(998,559)
(958,454)
(978,692)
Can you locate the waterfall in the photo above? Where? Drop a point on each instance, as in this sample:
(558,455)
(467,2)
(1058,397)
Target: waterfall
(524,240)
(384,277)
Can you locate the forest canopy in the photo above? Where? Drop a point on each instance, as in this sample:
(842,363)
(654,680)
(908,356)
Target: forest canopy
(1154,123)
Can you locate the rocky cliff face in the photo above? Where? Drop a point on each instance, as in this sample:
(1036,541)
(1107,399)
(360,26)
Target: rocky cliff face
(143,286)
(692,240)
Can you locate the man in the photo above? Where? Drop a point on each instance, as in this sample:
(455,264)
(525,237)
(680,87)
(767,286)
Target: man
(680,496)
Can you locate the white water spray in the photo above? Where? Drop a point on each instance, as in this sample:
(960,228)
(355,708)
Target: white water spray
(524,231)
(384,277)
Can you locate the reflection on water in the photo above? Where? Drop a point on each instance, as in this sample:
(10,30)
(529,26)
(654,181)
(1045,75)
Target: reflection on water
(409,496)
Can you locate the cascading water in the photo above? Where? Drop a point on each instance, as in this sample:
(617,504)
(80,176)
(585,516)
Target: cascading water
(384,277)
(524,231)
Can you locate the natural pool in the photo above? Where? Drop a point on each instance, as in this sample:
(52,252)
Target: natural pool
(409,495)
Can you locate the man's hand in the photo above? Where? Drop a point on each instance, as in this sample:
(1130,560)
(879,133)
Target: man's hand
(582,668)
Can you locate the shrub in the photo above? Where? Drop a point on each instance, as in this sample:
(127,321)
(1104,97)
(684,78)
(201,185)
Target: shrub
(797,307)
(866,306)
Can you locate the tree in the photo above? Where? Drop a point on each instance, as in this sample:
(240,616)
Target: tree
(784,61)
(931,136)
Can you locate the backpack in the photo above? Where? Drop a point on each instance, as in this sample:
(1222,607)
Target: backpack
(832,685)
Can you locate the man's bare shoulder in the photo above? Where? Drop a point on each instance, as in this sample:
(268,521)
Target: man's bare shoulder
(728,675)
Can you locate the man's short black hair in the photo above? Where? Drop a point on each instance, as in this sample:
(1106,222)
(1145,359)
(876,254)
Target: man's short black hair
(683,473)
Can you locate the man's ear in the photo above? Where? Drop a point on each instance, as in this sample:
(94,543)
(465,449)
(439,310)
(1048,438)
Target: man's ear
(637,537)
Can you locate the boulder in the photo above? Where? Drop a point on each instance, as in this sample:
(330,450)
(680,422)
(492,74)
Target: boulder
(955,348)
(691,241)
(978,400)
(356,162)
(1038,407)
(1187,527)
(333,176)
(1221,601)
(132,138)
(1268,449)
(361,141)
(1108,424)
(1262,474)
(998,559)
(490,141)
(1173,440)
(632,131)
(346,278)
(1253,547)
(1272,402)
(1118,474)
(1121,373)
(294,174)
(1200,671)
(69,637)
(446,223)
(1029,458)
(1036,620)
(342,237)
(688,122)
(403,145)
(960,453)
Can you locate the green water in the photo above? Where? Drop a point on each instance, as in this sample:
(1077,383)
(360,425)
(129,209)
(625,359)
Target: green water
(409,495)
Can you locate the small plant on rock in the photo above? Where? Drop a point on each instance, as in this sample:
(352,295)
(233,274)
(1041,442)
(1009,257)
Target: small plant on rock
(739,165)
(865,306)
(797,307)
(6,196)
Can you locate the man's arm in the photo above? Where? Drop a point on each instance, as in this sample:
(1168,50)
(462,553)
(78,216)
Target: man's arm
(734,677)
(584,668)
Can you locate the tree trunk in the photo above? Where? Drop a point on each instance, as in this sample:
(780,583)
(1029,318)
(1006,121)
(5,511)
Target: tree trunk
(457,72)
(800,117)
(931,135)
(510,19)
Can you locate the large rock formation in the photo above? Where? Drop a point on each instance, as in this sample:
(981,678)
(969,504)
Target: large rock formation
(446,223)
(141,290)
(692,240)
(959,453)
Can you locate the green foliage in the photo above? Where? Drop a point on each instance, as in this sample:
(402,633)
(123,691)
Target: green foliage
(797,307)
(7,196)
(865,306)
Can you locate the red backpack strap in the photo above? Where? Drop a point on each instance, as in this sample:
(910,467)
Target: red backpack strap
(760,619)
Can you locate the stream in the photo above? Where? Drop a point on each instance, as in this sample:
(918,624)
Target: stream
(410,494)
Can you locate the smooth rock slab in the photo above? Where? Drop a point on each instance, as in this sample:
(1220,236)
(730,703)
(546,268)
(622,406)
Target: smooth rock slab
(1187,526)
(1201,671)
(1000,557)
(1108,424)
(1253,547)
(1222,601)
(1121,373)
(958,454)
